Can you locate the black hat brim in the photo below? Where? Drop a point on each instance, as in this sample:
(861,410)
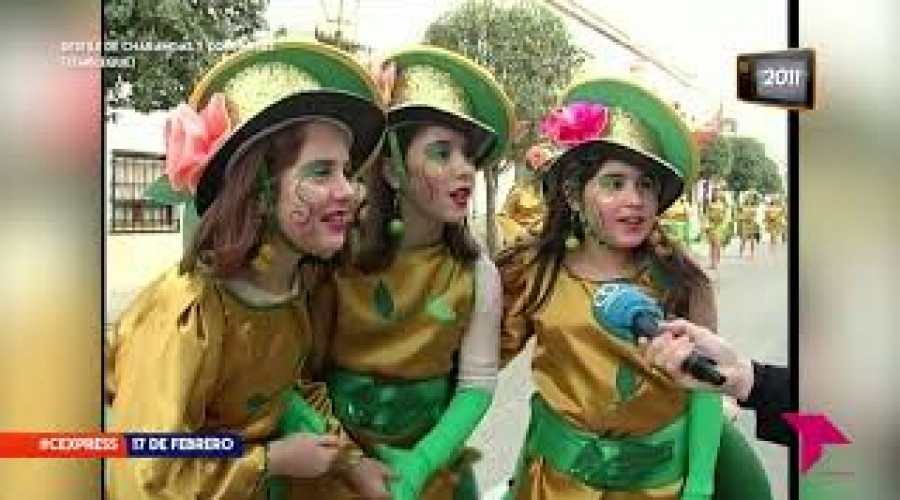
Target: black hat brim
(362,117)
(671,184)
(482,137)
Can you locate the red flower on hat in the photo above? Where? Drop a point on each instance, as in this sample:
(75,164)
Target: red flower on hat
(192,138)
(575,123)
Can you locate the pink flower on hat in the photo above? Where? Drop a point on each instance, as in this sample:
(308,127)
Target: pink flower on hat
(575,123)
(192,138)
(538,158)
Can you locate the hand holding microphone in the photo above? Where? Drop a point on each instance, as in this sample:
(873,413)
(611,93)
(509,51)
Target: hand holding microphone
(623,309)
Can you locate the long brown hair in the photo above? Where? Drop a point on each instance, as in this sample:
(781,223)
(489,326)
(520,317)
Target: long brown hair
(378,248)
(230,231)
(686,277)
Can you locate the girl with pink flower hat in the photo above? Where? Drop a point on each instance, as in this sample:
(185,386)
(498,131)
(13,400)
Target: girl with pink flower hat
(606,423)
(217,343)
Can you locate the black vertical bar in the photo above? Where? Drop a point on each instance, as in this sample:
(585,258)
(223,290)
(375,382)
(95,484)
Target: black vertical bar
(793,254)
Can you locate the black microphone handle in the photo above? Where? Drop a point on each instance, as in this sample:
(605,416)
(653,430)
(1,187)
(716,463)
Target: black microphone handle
(697,366)
(702,369)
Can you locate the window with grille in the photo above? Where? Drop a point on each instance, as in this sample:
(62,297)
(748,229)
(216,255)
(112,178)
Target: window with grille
(132,173)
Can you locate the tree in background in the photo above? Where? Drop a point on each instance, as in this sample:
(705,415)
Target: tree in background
(206,29)
(715,160)
(525,46)
(742,162)
(528,50)
(771,182)
(748,155)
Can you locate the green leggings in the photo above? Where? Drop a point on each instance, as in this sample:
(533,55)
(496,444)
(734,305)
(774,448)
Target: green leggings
(466,489)
(739,473)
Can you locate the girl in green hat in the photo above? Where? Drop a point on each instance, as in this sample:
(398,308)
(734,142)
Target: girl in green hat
(414,353)
(605,423)
(216,343)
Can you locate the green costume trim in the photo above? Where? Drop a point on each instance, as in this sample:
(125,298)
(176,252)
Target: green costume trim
(439,447)
(298,416)
(677,230)
(687,447)
(739,473)
(703,436)
(627,464)
(387,410)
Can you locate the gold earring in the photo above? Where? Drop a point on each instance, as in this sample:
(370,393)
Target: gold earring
(572,240)
(396,227)
(263,259)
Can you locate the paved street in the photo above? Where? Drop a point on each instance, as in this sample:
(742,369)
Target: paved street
(753,305)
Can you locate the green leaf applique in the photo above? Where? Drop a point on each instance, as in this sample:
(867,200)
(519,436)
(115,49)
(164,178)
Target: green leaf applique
(384,303)
(626,382)
(255,403)
(439,309)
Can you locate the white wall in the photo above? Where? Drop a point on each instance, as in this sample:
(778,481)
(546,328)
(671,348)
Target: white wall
(133,260)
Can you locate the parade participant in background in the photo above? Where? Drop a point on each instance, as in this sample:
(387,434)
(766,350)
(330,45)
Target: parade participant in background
(774,218)
(749,225)
(264,152)
(523,210)
(605,422)
(675,221)
(414,356)
(716,227)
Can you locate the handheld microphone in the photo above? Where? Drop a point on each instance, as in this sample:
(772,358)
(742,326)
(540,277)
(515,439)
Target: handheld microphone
(623,309)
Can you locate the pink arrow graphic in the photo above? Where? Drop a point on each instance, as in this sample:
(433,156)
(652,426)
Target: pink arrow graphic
(815,431)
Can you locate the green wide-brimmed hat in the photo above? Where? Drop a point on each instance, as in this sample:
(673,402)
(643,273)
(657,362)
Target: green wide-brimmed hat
(280,83)
(634,125)
(433,85)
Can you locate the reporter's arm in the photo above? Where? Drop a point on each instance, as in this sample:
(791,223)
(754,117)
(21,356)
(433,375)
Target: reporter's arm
(770,397)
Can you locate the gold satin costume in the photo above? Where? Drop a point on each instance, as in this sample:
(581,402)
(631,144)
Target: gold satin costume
(715,223)
(575,368)
(675,219)
(397,324)
(189,356)
(749,224)
(774,219)
(522,214)
(678,212)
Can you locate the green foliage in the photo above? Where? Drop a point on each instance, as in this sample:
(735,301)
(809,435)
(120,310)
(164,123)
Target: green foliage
(160,79)
(715,161)
(525,46)
(743,163)
(747,157)
(770,182)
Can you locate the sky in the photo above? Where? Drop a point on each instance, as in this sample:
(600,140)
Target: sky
(700,37)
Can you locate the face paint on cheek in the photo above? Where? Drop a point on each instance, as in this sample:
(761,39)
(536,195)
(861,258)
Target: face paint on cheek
(592,221)
(426,185)
(300,209)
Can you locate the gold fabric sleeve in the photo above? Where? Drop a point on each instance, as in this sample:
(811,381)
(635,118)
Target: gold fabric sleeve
(188,358)
(515,327)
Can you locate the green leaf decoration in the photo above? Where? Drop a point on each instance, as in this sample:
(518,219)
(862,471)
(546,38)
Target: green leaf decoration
(161,191)
(626,382)
(384,303)
(255,403)
(439,309)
